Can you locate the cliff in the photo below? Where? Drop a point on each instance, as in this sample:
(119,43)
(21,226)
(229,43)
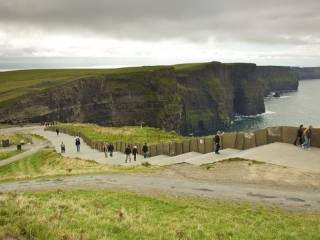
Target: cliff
(213,93)
(308,72)
(277,79)
(185,98)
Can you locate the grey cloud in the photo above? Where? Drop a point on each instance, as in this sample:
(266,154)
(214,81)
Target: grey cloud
(286,21)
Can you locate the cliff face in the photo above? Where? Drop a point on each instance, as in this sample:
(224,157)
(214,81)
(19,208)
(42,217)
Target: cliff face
(277,79)
(183,98)
(212,95)
(308,73)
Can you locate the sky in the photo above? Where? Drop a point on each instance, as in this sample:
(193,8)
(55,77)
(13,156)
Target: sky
(148,32)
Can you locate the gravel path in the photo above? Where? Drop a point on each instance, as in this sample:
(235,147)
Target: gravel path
(292,199)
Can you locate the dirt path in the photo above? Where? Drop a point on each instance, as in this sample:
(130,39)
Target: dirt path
(292,199)
(27,153)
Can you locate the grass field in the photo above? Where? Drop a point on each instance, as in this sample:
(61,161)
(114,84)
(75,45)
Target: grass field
(79,214)
(8,154)
(47,162)
(124,134)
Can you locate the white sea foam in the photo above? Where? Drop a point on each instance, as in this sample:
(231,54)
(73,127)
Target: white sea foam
(267,112)
(241,117)
(285,96)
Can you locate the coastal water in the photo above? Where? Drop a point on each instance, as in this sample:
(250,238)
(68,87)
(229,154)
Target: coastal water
(291,109)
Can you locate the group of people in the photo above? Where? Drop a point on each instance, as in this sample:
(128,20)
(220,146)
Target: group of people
(129,150)
(77,143)
(108,149)
(303,137)
(47,124)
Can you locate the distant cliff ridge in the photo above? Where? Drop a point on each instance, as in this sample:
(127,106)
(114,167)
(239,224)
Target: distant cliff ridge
(277,78)
(185,98)
(308,73)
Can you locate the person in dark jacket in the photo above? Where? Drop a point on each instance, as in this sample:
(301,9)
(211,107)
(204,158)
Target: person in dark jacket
(57,131)
(134,152)
(128,151)
(307,138)
(145,150)
(217,142)
(299,137)
(111,149)
(77,142)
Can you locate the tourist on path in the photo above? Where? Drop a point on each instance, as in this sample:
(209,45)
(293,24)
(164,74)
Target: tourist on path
(134,152)
(217,140)
(111,149)
(145,150)
(57,131)
(105,149)
(63,147)
(299,138)
(77,142)
(307,138)
(128,153)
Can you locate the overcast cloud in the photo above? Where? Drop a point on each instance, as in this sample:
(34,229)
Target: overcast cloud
(267,32)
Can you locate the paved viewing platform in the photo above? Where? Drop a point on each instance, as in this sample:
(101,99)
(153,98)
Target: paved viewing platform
(282,154)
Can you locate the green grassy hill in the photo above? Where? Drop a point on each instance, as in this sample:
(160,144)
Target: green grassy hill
(18,83)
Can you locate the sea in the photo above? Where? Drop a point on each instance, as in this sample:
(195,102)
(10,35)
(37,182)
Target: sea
(291,109)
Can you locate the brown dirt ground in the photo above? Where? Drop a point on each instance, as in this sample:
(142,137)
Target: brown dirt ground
(246,172)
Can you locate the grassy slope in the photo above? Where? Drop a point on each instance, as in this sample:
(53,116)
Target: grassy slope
(114,215)
(47,163)
(14,84)
(125,134)
(8,154)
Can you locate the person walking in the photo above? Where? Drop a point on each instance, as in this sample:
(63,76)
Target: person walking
(77,142)
(307,138)
(134,152)
(63,147)
(57,131)
(128,151)
(111,149)
(145,150)
(217,139)
(299,137)
(106,149)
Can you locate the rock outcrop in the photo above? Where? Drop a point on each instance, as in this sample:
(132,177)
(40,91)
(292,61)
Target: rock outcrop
(184,98)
